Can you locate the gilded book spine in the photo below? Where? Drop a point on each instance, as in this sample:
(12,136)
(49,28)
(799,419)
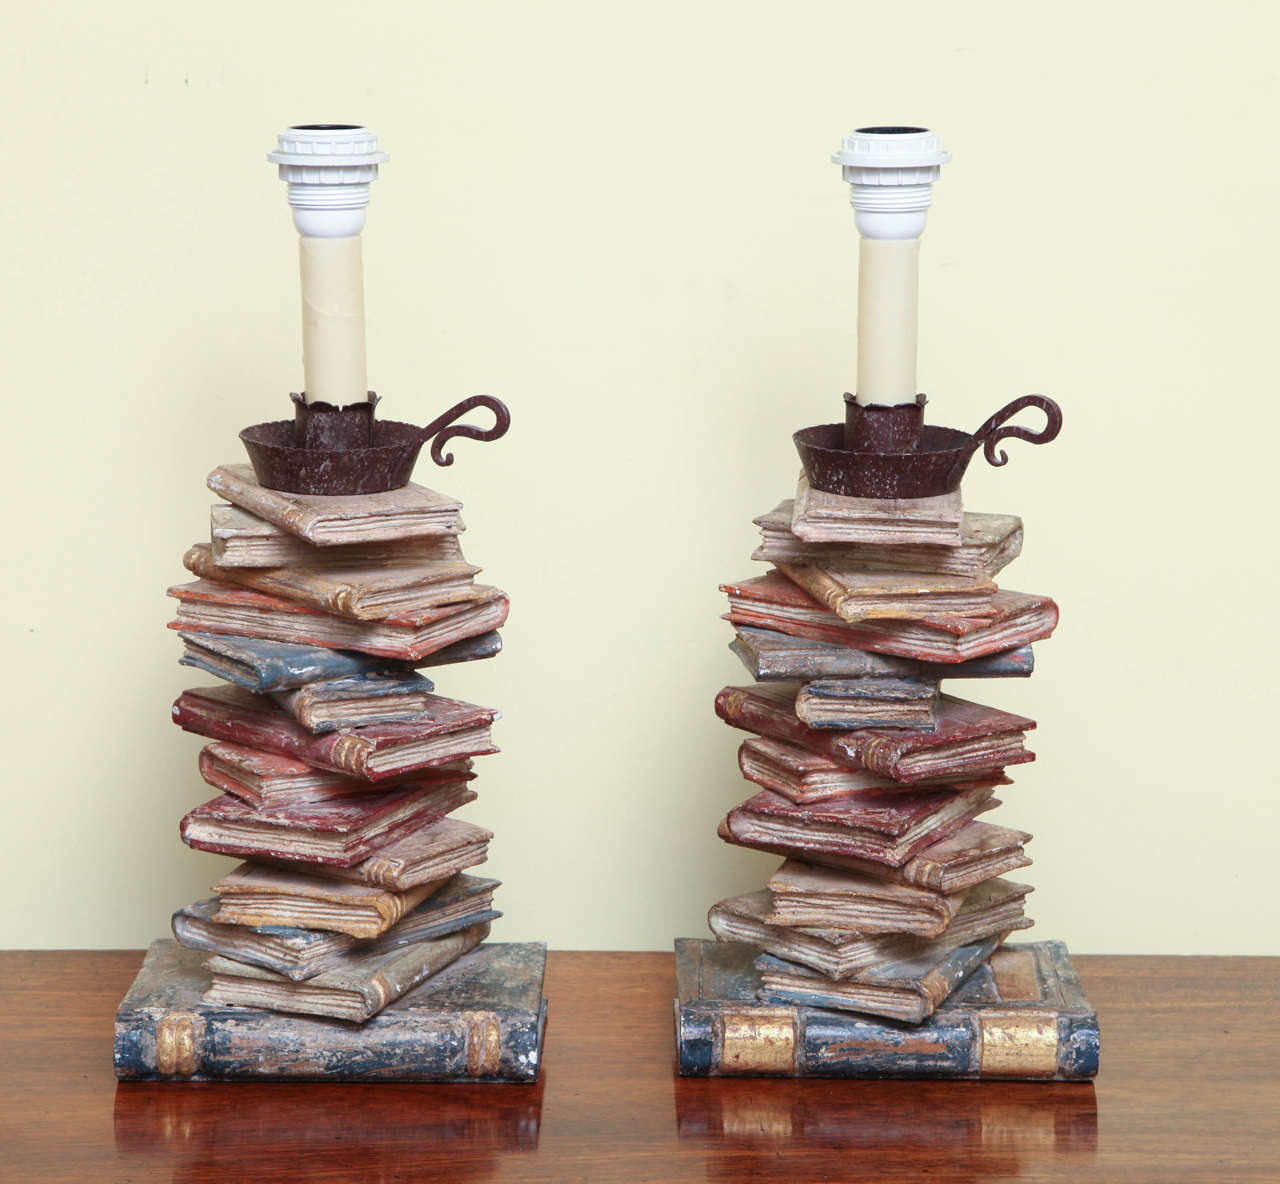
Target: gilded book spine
(1015,1044)
(222,1043)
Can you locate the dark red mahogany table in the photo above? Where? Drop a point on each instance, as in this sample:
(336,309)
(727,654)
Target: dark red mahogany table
(1189,1090)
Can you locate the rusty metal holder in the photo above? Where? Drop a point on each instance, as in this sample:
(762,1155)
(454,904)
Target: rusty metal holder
(344,450)
(896,457)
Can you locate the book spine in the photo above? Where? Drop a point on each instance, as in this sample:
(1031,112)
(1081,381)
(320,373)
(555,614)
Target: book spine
(241,1043)
(340,753)
(790,1042)
(740,710)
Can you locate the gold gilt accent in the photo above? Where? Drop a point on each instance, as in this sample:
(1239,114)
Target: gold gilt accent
(484,1043)
(176,1044)
(346,753)
(1019,1043)
(759,1041)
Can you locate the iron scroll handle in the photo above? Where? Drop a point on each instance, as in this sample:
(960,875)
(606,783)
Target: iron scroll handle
(992,432)
(444,429)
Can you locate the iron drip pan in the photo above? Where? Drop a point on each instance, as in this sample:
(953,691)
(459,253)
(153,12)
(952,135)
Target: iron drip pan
(346,450)
(934,466)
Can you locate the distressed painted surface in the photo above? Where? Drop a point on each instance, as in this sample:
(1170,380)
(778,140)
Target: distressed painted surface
(301,954)
(780,657)
(410,512)
(827,517)
(852,703)
(968,740)
(480,1019)
(207,606)
(241,539)
(883,828)
(988,543)
(993,907)
(368,593)
(364,982)
(718,979)
(340,831)
(975,852)
(907,989)
(359,701)
(774,603)
(457,729)
(855,595)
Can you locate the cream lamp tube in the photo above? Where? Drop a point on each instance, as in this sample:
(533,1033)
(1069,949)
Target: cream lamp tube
(890,171)
(328,168)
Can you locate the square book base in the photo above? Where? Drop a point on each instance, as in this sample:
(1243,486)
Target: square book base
(1022,1015)
(480,1019)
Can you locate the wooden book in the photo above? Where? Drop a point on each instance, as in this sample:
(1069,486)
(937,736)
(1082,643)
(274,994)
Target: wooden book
(206,606)
(240,539)
(988,544)
(264,666)
(968,740)
(780,657)
(975,853)
(368,593)
(851,703)
(884,828)
(818,517)
(341,831)
(268,781)
(300,954)
(855,595)
(1022,1015)
(993,907)
(325,520)
(422,856)
(803,776)
(365,982)
(255,894)
(383,697)
(378,753)
(908,990)
(821,898)
(480,1019)
(773,602)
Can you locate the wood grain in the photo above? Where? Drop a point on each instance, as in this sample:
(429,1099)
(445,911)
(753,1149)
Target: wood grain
(1189,1091)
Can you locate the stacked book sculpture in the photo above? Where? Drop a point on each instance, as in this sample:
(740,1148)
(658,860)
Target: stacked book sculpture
(876,949)
(350,941)
(331,596)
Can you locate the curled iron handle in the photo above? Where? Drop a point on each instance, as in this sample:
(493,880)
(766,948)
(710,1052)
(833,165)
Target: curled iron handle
(444,429)
(991,432)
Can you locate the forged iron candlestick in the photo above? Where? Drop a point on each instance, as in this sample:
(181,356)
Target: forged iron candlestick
(883,449)
(335,444)
(345,450)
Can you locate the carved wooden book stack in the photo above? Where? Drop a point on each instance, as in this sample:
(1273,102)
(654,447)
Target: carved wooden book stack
(350,941)
(877,948)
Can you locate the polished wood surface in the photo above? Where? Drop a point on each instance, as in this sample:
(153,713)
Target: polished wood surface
(1189,1090)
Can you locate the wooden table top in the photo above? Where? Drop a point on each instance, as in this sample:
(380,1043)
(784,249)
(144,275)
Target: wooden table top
(1189,1090)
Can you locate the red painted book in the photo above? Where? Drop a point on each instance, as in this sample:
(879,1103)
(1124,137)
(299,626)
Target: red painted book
(267,780)
(884,828)
(341,832)
(773,602)
(207,606)
(378,753)
(969,740)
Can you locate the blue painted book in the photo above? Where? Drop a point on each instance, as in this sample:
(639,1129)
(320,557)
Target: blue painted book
(480,1019)
(906,987)
(262,666)
(1021,1015)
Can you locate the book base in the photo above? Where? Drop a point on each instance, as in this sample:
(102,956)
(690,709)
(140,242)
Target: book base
(1022,1015)
(479,1020)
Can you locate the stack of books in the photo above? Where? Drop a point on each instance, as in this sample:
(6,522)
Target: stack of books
(876,947)
(350,940)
